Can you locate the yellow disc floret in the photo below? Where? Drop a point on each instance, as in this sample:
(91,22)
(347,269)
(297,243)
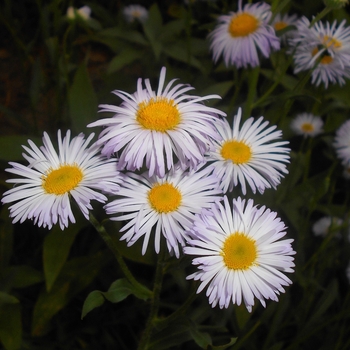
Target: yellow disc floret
(159,114)
(243,25)
(237,151)
(164,198)
(62,180)
(239,251)
(307,127)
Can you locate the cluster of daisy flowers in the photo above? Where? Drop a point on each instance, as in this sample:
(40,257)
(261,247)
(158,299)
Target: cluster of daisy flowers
(253,32)
(163,165)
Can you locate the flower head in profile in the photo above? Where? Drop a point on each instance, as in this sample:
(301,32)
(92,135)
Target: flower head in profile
(283,21)
(83,12)
(324,49)
(307,124)
(162,207)
(240,254)
(134,13)
(249,153)
(325,225)
(342,143)
(157,129)
(240,35)
(47,184)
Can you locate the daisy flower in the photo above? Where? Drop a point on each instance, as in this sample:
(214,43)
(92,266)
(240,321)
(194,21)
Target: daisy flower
(325,49)
(307,124)
(240,35)
(135,12)
(249,154)
(281,22)
(167,205)
(324,225)
(47,184)
(240,254)
(152,128)
(342,143)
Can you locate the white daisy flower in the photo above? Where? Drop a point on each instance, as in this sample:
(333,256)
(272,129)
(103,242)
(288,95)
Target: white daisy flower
(51,179)
(240,254)
(240,35)
(281,22)
(342,143)
(152,128)
(323,226)
(325,49)
(307,124)
(84,12)
(249,154)
(135,13)
(167,205)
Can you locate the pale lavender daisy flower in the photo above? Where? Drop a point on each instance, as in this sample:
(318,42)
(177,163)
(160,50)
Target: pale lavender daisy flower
(342,143)
(307,124)
(135,13)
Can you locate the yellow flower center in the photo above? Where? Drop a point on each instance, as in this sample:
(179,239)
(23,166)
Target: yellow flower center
(243,25)
(237,151)
(159,114)
(331,42)
(62,180)
(307,127)
(280,25)
(326,59)
(164,198)
(239,251)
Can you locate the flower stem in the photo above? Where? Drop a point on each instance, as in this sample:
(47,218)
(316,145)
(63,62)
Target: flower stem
(113,247)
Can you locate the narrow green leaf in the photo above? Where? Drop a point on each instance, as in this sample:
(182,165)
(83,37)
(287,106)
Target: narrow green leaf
(124,58)
(10,146)
(56,248)
(76,275)
(82,100)
(7,299)
(202,339)
(10,326)
(24,276)
(121,288)
(93,300)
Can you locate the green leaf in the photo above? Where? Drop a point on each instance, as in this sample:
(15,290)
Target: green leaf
(118,291)
(22,276)
(7,299)
(82,100)
(220,89)
(124,58)
(202,339)
(10,146)
(10,326)
(76,275)
(93,300)
(56,248)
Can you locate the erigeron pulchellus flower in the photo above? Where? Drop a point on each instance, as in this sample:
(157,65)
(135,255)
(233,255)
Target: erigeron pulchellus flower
(249,153)
(47,184)
(281,21)
(240,36)
(342,143)
(135,13)
(325,225)
(240,254)
(324,49)
(162,207)
(307,124)
(157,129)
(83,12)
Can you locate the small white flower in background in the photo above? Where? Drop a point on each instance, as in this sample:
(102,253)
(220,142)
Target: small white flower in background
(324,225)
(165,206)
(307,124)
(135,13)
(84,12)
(282,21)
(324,48)
(240,254)
(342,143)
(241,35)
(249,153)
(151,128)
(49,182)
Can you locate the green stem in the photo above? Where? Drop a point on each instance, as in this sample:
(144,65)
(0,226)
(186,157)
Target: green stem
(113,247)
(146,335)
(253,82)
(320,15)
